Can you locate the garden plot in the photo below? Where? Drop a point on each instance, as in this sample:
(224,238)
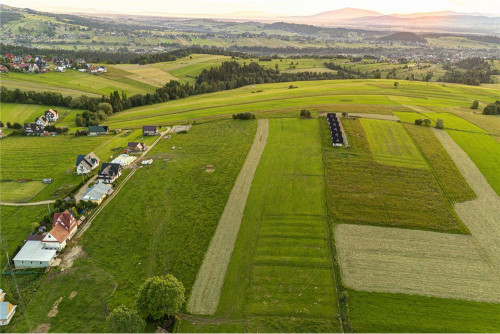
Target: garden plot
(415,262)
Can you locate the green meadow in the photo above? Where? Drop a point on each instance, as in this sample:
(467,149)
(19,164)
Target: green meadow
(280,277)
(37,158)
(21,113)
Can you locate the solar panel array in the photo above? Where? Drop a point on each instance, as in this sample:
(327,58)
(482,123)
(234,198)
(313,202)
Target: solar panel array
(335,131)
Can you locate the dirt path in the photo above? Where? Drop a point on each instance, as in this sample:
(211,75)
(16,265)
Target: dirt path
(28,203)
(79,194)
(208,285)
(482,215)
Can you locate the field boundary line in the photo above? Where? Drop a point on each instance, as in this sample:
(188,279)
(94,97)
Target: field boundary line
(210,279)
(50,201)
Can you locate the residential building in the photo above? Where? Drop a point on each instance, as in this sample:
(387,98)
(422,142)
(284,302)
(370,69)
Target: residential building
(33,254)
(149,130)
(86,163)
(7,310)
(4,69)
(97,193)
(42,121)
(64,226)
(52,115)
(135,146)
(33,129)
(109,172)
(98,130)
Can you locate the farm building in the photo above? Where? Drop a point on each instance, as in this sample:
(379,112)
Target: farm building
(123,160)
(33,129)
(7,310)
(97,193)
(335,129)
(42,121)
(64,227)
(135,146)
(98,130)
(34,254)
(109,172)
(51,115)
(86,163)
(149,130)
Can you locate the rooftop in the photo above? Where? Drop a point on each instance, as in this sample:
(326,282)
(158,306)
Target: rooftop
(96,192)
(33,251)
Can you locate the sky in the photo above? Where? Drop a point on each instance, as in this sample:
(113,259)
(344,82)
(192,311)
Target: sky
(275,7)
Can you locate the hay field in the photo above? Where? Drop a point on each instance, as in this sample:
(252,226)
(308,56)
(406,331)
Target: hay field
(426,263)
(391,145)
(208,285)
(148,74)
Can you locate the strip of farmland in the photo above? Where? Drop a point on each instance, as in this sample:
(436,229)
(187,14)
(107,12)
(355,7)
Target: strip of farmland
(415,262)
(482,215)
(208,285)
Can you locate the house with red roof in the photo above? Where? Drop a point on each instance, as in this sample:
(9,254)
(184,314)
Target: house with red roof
(64,227)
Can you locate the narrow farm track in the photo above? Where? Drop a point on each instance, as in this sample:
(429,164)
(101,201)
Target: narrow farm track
(27,204)
(208,285)
(482,215)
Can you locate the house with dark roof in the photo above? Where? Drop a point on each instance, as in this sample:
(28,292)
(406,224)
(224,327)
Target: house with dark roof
(96,130)
(52,115)
(86,163)
(33,129)
(109,172)
(64,226)
(149,130)
(42,121)
(136,147)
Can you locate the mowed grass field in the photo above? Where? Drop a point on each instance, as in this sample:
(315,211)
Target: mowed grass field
(42,157)
(84,83)
(354,95)
(280,278)
(20,113)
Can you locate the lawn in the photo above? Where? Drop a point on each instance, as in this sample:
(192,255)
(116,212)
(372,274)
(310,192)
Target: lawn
(20,113)
(43,157)
(391,144)
(280,277)
(118,143)
(364,191)
(385,312)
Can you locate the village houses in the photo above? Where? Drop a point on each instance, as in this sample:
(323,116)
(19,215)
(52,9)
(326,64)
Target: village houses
(42,121)
(109,172)
(7,310)
(64,227)
(86,163)
(51,115)
(149,130)
(136,147)
(33,129)
(97,193)
(96,130)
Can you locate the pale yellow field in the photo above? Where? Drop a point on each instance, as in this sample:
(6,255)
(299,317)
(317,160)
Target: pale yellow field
(415,262)
(147,74)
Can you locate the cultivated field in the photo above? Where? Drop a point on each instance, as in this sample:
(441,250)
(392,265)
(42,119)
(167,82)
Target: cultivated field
(426,263)
(208,285)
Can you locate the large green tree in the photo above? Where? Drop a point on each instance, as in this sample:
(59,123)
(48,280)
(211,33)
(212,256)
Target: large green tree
(160,296)
(125,320)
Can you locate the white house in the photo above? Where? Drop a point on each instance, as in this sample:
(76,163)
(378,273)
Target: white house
(42,121)
(52,115)
(33,254)
(97,193)
(86,163)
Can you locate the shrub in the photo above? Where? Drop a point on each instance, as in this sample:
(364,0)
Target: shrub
(304,113)
(160,296)
(246,115)
(125,320)
(475,104)
(427,122)
(419,121)
(439,123)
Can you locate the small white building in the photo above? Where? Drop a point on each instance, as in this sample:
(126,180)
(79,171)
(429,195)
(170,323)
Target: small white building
(123,160)
(34,255)
(97,193)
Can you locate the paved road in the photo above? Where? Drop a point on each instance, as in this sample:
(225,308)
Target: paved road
(28,203)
